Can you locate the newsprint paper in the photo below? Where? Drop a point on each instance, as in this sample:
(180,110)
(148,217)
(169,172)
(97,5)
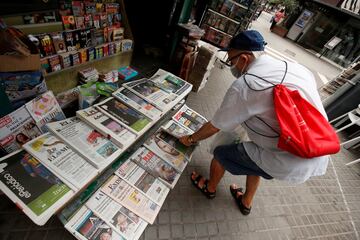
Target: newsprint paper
(147,90)
(72,169)
(44,109)
(85,225)
(117,133)
(129,197)
(86,141)
(122,220)
(143,181)
(17,128)
(156,166)
(133,100)
(166,152)
(32,187)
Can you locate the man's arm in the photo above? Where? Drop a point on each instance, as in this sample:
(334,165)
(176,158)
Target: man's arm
(207,130)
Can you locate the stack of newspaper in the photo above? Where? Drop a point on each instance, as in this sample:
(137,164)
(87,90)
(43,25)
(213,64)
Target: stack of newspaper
(162,90)
(89,75)
(111,76)
(43,172)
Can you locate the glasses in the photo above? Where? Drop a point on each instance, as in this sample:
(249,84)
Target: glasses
(228,61)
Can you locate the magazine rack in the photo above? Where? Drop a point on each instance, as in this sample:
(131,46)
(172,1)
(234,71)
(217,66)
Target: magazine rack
(67,78)
(224,19)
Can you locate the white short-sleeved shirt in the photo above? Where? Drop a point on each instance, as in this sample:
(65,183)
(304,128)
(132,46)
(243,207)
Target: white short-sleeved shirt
(241,105)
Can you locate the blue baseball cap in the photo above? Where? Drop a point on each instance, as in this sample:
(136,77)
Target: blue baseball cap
(249,40)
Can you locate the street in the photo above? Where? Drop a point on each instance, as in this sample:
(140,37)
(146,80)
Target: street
(288,50)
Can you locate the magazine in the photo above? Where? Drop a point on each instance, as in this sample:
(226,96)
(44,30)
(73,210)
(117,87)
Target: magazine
(175,143)
(147,90)
(129,197)
(85,225)
(72,169)
(86,141)
(117,133)
(166,152)
(189,118)
(176,129)
(169,82)
(133,100)
(156,166)
(16,129)
(44,109)
(32,187)
(134,120)
(122,220)
(143,181)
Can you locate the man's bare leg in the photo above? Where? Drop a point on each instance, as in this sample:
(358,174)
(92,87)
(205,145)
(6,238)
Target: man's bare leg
(216,173)
(252,183)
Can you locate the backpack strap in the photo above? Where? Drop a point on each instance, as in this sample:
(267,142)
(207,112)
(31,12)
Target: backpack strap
(260,90)
(265,80)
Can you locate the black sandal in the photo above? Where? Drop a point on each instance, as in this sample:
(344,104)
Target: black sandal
(244,210)
(204,189)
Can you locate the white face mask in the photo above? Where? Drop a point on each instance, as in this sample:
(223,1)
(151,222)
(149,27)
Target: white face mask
(235,71)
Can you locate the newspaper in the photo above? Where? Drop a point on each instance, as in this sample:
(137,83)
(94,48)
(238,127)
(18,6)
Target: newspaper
(32,187)
(175,143)
(16,129)
(129,117)
(122,220)
(44,109)
(156,166)
(86,141)
(189,118)
(133,100)
(143,181)
(166,152)
(85,225)
(117,133)
(169,82)
(129,197)
(176,129)
(72,169)
(147,90)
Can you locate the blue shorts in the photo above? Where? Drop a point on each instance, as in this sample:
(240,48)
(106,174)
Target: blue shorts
(235,160)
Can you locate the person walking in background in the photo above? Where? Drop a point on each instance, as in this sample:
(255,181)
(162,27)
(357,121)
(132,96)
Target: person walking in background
(278,16)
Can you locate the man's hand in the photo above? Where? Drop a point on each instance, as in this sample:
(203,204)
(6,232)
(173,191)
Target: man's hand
(185,140)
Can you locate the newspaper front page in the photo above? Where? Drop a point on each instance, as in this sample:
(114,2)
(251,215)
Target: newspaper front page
(114,131)
(156,166)
(17,128)
(44,109)
(166,152)
(169,82)
(129,197)
(85,225)
(32,187)
(175,143)
(176,129)
(143,181)
(86,141)
(131,118)
(122,220)
(146,89)
(189,118)
(130,98)
(72,169)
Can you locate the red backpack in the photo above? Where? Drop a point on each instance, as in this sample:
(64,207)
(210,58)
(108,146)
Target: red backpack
(304,131)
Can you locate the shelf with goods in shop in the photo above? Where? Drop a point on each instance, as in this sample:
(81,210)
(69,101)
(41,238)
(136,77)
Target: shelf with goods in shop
(222,19)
